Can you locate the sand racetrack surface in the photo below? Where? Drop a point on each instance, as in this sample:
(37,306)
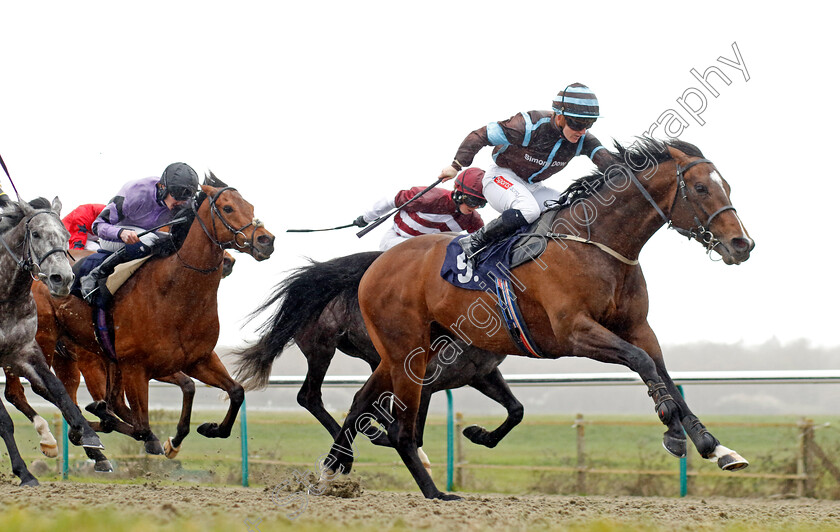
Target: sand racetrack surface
(252,509)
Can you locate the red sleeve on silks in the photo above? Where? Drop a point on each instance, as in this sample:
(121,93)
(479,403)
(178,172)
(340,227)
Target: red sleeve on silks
(78,222)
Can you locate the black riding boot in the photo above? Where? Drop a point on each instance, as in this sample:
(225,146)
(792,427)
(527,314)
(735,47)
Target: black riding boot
(90,282)
(502,227)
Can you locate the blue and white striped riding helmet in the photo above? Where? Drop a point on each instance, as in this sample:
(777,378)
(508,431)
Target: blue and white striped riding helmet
(577,100)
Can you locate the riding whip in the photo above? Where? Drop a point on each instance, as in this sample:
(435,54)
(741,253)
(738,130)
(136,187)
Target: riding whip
(172,222)
(384,217)
(314,230)
(3,164)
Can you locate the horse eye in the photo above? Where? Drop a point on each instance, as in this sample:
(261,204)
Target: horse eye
(701,188)
(228,209)
(36,234)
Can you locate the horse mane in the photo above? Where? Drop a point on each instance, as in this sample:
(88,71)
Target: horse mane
(640,154)
(15,211)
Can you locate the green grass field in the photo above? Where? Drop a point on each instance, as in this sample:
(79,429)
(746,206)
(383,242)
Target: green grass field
(539,456)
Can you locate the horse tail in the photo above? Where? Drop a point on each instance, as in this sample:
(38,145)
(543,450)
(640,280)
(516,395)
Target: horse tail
(302,297)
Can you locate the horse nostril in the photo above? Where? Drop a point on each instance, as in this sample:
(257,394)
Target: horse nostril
(742,244)
(265,240)
(56,279)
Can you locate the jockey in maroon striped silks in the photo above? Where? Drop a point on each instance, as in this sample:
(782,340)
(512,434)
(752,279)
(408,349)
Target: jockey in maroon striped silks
(436,211)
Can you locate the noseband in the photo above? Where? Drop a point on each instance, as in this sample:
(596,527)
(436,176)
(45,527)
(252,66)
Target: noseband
(28,261)
(214,214)
(699,230)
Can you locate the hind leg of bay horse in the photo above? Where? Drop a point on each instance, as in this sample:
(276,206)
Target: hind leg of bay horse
(173,445)
(33,367)
(15,395)
(494,386)
(212,372)
(7,432)
(402,381)
(707,445)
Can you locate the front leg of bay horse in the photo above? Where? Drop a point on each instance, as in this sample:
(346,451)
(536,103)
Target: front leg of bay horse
(212,372)
(707,445)
(173,445)
(34,368)
(591,340)
(15,395)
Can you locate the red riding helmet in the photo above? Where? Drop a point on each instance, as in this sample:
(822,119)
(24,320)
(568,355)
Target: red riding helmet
(468,188)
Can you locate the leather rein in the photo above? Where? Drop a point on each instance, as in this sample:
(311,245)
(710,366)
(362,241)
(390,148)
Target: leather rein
(216,214)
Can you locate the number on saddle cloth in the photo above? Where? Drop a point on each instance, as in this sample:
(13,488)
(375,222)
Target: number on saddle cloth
(499,258)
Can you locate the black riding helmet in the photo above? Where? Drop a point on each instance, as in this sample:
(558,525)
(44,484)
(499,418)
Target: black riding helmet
(178,180)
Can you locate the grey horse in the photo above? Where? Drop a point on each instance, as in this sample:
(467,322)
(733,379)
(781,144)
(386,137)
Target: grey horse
(33,244)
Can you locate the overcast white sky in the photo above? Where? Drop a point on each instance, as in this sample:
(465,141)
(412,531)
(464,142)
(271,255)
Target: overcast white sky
(314,110)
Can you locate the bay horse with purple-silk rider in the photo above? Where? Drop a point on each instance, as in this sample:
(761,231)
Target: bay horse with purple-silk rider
(584,298)
(166,315)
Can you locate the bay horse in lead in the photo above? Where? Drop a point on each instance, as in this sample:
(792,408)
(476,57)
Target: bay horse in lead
(34,245)
(584,298)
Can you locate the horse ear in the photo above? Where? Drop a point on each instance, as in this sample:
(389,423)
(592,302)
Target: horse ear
(56,206)
(678,156)
(211,180)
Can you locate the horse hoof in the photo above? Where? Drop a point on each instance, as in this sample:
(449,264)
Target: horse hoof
(170,450)
(49,450)
(96,408)
(91,442)
(675,447)
(381,439)
(732,462)
(153,447)
(208,430)
(447,497)
(477,435)
(30,483)
(103,466)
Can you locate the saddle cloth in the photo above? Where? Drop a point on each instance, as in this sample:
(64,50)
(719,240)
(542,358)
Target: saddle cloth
(499,258)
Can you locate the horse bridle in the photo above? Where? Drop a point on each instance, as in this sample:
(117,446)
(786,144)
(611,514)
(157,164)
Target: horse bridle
(215,213)
(703,233)
(25,262)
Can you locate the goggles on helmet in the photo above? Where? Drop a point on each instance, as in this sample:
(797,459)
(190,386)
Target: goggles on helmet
(180,193)
(474,202)
(579,124)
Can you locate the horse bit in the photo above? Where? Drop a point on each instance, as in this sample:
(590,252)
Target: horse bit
(703,234)
(26,262)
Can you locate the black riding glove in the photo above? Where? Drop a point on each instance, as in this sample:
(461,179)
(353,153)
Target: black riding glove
(360,221)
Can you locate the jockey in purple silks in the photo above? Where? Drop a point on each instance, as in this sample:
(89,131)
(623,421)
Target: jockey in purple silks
(139,205)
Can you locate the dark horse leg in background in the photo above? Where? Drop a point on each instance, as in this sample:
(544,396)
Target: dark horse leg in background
(7,432)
